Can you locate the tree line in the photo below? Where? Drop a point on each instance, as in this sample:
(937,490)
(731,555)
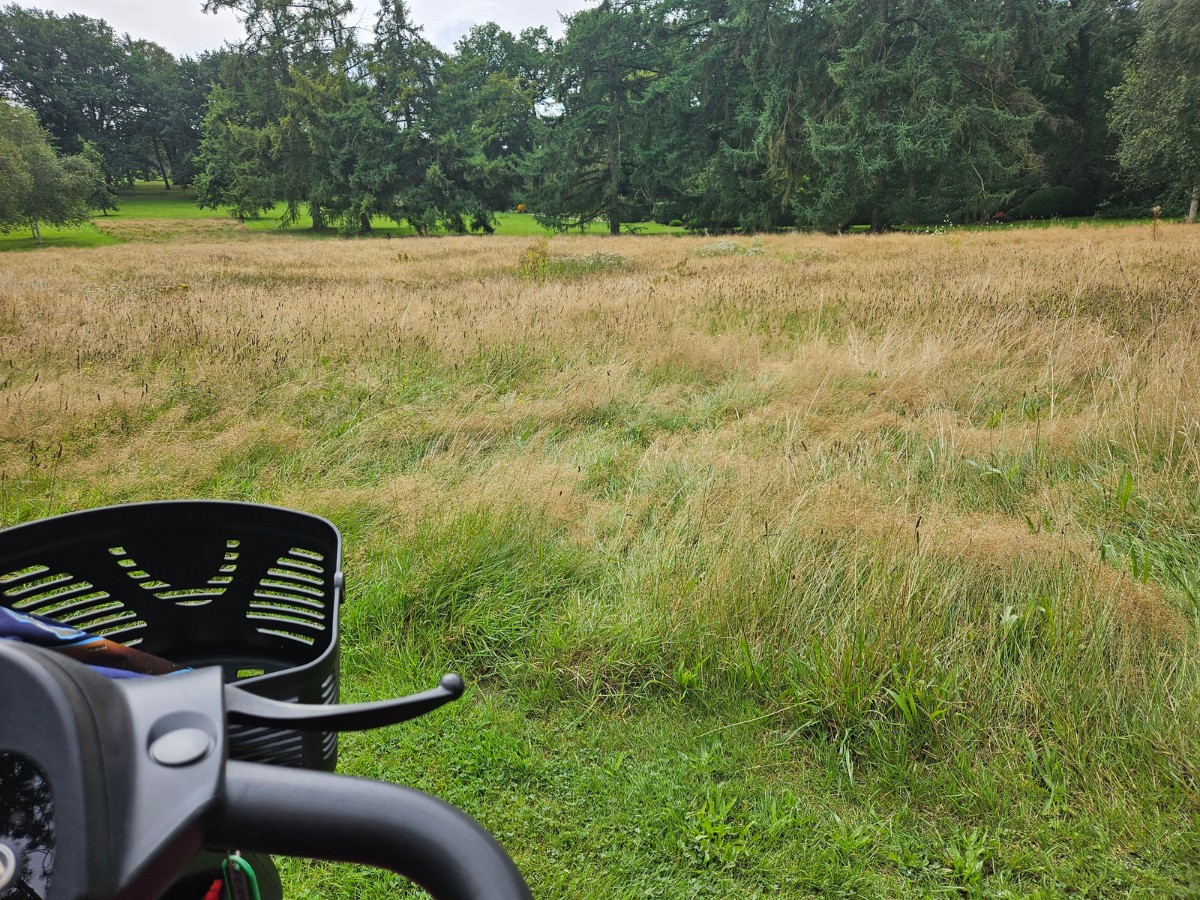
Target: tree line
(717,114)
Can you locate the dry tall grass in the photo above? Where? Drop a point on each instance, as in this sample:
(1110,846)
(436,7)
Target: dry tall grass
(946,482)
(789,363)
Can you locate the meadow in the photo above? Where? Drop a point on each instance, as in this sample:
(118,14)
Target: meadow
(786,566)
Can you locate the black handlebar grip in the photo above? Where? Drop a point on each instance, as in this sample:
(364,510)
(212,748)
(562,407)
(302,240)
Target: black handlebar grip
(319,815)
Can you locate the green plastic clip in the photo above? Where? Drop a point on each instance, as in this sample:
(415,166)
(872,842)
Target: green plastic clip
(240,881)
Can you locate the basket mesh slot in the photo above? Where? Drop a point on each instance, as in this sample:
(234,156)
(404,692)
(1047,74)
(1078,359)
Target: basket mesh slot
(271,583)
(316,615)
(284,619)
(296,576)
(113,632)
(90,611)
(182,594)
(329,688)
(56,610)
(303,564)
(299,638)
(46,582)
(46,598)
(94,619)
(287,597)
(22,574)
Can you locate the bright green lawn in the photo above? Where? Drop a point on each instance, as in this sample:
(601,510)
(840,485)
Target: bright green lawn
(85,236)
(149,201)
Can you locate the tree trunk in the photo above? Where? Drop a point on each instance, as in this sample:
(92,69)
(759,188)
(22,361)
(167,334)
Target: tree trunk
(318,220)
(36,228)
(364,224)
(614,157)
(162,166)
(1195,204)
(878,222)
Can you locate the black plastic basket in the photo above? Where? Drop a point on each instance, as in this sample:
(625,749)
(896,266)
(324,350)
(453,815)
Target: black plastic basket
(254,589)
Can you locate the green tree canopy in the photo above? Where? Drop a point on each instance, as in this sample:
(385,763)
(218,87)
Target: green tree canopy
(37,186)
(1156,110)
(605,65)
(131,100)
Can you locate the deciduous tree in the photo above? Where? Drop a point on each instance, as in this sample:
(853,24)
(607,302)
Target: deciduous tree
(37,186)
(1156,109)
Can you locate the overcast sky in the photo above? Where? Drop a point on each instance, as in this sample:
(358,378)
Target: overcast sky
(182,28)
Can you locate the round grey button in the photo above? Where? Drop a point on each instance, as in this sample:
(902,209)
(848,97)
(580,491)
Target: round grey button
(181,747)
(8,866)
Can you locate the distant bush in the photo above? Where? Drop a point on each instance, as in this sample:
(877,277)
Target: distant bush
(675,223)
(1173,207)
(665,212)
(1053,202)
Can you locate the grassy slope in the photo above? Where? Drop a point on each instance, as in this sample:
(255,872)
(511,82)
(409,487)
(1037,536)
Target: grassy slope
(798,567)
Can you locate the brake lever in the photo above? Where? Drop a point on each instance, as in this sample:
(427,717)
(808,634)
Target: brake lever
(244,708)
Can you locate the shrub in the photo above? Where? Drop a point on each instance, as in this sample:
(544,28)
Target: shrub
(1053,202)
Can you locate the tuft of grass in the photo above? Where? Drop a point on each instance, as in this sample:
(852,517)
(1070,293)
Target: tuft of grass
(536,263)
(726,247)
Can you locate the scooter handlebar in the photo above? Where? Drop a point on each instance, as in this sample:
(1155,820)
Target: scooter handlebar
(320,815)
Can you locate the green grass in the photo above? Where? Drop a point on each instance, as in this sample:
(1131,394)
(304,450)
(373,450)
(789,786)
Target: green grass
(820,617)
(84,236)
(148,201)
(509,223)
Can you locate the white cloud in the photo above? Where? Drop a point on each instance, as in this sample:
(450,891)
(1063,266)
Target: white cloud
(181,27)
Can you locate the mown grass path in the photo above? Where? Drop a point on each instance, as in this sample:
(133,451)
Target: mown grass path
(786,567)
